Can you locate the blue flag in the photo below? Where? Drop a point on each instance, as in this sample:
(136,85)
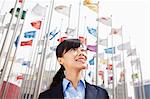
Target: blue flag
(30,34)
(16,42)
(53,34)
(26,63)
(110,50)
(92,31)
(91,62)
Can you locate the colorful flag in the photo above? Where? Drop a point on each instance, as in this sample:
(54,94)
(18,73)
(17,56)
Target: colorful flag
(116,58)
(91,31)
(52,35)
(62,39)
(103,61)
(20,1)
(92,6)
(103,42)
(20,77)
(131,52)
(70,31)
(105,20)
(17,13)
(116,31)
(16,41)
(109,67)
(30,34)
(91,61)
(82,40)
(26,43)
(100,72)
(65,10)
(91,48)
(135,76)
(38,10)
(125,46)
(26,63)
(36,24)
(110,50)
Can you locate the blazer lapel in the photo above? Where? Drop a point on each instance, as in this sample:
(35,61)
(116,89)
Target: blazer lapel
(90,92)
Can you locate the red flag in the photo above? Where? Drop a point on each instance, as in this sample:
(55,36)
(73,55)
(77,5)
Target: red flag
(26,43)
(20,77)
(101,72)
(62,39)
(82,40)
(20,1)
(36,24)
(109,67)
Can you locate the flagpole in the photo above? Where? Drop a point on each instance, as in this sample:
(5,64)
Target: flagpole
(3,2)
(69,18)
(78,18)
(97,45)
(124,70)
(141,83)
(43,56)
(5,66)
(10,49)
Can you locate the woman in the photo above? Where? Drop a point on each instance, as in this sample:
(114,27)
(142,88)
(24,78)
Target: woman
(68,82)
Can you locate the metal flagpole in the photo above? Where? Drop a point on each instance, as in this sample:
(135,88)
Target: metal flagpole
(97,34)
(124,70)
(10,50)
(78,19)
(43,56)
(69,18)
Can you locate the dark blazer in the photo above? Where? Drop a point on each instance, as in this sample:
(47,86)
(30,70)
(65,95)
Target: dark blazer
(91,92)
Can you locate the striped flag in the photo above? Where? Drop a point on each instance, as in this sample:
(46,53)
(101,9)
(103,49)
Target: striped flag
(105,20)
(26,43)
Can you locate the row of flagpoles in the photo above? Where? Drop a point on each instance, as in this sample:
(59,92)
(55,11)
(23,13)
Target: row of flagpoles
(106,61)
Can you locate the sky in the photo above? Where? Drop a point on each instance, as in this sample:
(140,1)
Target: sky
(132,15)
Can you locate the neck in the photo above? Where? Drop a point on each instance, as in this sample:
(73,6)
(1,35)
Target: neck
(73,77)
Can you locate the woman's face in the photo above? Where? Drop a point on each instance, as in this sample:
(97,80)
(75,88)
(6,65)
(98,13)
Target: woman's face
(75,59)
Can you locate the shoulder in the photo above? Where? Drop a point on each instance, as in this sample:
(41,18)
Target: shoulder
(45,94)
(101,92)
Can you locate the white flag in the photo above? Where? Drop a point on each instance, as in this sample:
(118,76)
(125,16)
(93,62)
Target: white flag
(125,46)
(70,31)
(119,65)
(2,18)
(65,10)
(38,10)
(105,20)
(135,62)
(116,58)
(131,52)
(116,31)
(103,42)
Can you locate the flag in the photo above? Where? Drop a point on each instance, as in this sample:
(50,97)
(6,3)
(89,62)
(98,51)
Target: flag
(62,39)
(105,20)
(135,62)
(82,40)
(20,77)
(36,24)
(110,50)
(125,46)
(91,48)
(70,31)
(131,52)
(103,61)
(2,18)
(101,55)
(109,67)
(110,79)
(65,10)
(135,76)
(101,73)
(38,10)
(103,42)
(53,34)
(17,13)
(16,41)
(26,63)
(119,65)
(116,58)
(49,55)
(92,6)
(92,31)
(122,77)
(30,34)
(26,43)
(116,31)
(20,1)
(91,61)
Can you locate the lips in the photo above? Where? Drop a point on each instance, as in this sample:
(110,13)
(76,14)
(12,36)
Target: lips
(81,59)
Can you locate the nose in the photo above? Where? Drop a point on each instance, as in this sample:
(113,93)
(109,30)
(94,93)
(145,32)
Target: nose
(82,52)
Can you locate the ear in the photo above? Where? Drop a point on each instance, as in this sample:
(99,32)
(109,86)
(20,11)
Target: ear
(60,60)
